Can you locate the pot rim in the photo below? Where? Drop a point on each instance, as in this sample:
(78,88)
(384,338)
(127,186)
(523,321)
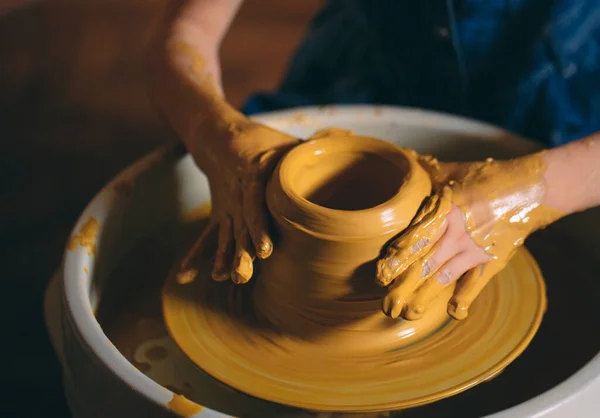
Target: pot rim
(76,293)
(392,215)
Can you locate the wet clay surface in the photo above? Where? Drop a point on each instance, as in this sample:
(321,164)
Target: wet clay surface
(330,228)
(216,325)
(310,331)
(130,313)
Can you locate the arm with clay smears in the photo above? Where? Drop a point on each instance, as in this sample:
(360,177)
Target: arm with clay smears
(235,153)
(573,175)
(185,68)
(479,215)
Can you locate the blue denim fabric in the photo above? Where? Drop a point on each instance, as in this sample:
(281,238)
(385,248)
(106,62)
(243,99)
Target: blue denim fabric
(531,66)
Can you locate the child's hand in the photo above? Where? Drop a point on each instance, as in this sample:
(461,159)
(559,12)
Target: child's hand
(468,230)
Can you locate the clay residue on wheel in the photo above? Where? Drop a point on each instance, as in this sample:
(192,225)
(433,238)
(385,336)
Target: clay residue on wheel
(183,406)
(86,237)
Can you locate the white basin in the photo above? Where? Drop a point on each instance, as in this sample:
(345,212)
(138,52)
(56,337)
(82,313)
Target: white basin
(561,369)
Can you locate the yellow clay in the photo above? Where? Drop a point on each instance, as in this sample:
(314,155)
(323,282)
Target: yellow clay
(183,406)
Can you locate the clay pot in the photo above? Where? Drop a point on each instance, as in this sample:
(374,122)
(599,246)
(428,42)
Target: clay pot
(336,200)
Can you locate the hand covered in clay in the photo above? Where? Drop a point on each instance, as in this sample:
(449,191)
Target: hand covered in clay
(236,153)
(237,158)
(465,233)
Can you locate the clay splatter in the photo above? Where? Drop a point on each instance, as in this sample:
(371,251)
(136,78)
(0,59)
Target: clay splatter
(86,237)
(183,406)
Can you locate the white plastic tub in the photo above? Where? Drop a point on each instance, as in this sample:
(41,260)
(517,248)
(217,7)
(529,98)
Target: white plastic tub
(100,382)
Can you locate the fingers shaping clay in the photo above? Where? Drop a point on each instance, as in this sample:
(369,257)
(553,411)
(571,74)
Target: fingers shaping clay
(336,201)
(308,331)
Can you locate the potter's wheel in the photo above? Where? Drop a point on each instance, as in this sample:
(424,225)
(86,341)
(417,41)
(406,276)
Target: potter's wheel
(213,325)
(558,375)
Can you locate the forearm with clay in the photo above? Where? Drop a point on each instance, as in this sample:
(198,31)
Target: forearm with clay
(573,175)
(186,76)
(234,152)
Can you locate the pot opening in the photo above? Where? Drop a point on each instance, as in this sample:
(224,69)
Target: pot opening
(349,180)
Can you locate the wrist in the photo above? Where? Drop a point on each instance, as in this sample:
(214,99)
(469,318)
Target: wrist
(508,192)
(534,210)
(572,176)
